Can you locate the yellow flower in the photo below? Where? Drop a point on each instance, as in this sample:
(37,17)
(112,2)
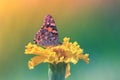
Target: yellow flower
(66,52)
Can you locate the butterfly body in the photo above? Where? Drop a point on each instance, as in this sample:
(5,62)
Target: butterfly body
(48,34)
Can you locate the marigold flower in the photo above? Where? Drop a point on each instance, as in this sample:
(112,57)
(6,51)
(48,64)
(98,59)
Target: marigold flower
(66,52)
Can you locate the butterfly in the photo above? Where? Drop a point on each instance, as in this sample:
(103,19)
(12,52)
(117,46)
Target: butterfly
(48,33)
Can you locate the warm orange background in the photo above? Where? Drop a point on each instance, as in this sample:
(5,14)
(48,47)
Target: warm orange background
(95,24)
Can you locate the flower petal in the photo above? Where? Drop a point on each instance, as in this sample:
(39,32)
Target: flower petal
(67,71)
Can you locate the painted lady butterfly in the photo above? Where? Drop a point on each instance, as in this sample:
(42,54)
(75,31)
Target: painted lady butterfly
(48,34)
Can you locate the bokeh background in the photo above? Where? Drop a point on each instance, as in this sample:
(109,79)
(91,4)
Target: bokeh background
(95,24)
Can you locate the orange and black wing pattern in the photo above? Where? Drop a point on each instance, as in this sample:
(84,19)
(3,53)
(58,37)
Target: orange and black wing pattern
(48,34)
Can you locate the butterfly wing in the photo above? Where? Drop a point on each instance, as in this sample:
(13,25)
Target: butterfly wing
(48,34)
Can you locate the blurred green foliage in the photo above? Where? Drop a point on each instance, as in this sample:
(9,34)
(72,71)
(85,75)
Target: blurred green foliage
(95,25)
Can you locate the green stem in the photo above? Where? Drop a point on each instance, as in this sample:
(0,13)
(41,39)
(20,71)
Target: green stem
(57,71)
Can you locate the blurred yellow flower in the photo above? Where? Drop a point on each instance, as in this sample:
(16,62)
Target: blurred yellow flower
(66,52)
